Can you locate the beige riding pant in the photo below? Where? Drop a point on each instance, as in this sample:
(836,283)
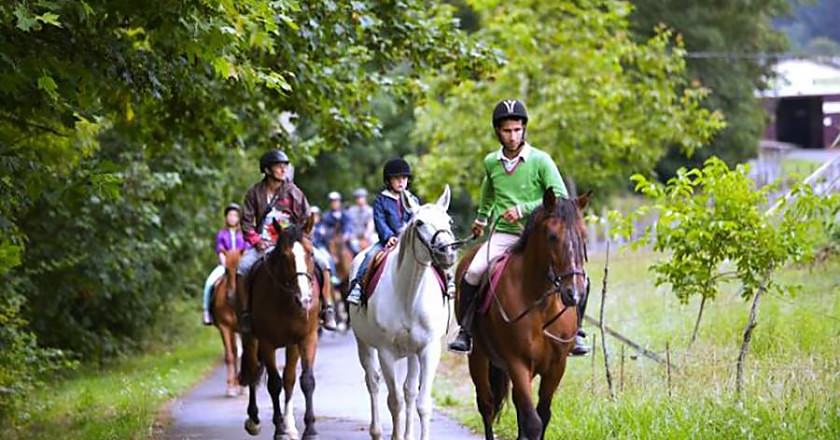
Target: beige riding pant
(498,243)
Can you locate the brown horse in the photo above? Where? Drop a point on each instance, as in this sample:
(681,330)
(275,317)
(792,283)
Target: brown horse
(224,317)
(285,306)
(343,257)
(530,326)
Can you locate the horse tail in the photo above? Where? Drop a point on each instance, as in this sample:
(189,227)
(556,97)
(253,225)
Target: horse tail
(499,387)
(251,368)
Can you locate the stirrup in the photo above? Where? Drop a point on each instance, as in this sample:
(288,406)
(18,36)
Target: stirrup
(355,295)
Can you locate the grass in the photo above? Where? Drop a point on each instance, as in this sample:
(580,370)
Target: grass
(792,383)
(122,401)
(799,168)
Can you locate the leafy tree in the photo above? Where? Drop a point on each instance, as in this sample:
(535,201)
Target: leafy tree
(729,39)
(715,226)
(125,127)
(810,20)
(603,105)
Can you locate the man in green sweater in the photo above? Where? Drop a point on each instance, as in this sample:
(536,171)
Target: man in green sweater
(515,178)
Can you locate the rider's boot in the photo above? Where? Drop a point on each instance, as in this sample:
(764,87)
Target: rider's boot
(355,295)
(328,311)
(244,322)
(206,319)
(328,317)
(581,348)
(463,342)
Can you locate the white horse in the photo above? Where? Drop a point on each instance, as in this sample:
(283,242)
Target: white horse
(406,318)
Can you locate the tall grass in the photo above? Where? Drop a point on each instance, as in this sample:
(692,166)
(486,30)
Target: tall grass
(792,379)
(122,400)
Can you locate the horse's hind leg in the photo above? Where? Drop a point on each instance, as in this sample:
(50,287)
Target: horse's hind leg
(370,363)
(275,385)
(307,383)
(292,357)
(480,373)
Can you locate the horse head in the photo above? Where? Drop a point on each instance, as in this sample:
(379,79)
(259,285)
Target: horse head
(292,258)
(559,235)
(431,228)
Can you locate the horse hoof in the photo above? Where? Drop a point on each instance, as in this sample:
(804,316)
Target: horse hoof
(283,437)
(232,392)
(310,437)
(252,427)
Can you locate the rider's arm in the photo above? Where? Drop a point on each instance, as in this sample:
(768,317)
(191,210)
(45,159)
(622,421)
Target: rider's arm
(550,178)
(486,200)
(250,212)
(380,220)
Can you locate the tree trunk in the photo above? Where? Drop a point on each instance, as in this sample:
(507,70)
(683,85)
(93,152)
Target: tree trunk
(745,344)
(697,323)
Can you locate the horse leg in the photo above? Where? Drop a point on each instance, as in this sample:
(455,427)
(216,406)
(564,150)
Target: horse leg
(292,357)
(275,384)
(530,426)
(370,363)
(230,359)
(411,388)
(480,373)
(252,423)
(429,359)
(548,385)
(395,399)
(307,383)
(249,374)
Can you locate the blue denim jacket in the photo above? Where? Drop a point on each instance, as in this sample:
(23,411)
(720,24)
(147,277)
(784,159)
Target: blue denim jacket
(389,216)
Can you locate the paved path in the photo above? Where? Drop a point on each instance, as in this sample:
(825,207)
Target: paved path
(341,403)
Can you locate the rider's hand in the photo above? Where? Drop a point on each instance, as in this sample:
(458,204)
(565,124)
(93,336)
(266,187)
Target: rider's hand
(511,215)
(391,242)
(262,245)
(477,229)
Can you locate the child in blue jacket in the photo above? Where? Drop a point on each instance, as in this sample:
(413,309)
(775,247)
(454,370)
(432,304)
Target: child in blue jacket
(389,216)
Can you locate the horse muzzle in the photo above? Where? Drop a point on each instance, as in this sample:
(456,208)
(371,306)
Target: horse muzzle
(444,258)
(570,296)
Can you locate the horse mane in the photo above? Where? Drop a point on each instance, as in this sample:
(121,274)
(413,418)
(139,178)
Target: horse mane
(565,209)
(405,240)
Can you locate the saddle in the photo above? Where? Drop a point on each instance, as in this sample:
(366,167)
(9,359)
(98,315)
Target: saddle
(490,280)
(373,274)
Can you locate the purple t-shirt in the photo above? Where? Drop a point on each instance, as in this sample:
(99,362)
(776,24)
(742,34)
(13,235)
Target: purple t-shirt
(226,240)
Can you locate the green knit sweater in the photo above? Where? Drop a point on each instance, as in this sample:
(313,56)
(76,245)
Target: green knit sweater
(524,187)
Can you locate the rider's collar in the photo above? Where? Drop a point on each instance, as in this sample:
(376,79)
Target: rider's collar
(394,195)
(524,152)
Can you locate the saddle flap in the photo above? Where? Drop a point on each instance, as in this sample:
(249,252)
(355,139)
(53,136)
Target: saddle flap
(374,272)
(490,280)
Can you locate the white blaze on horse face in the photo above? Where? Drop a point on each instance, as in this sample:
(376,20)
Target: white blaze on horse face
(303,280)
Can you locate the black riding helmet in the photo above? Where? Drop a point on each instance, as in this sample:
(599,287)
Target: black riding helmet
(272,157)
(395,168)
(510,109)
(232,207)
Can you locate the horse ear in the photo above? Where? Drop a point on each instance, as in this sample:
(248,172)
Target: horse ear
(443,201)
(276,225)
(549,199)
(408,202)
(583,200)
(309,224)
